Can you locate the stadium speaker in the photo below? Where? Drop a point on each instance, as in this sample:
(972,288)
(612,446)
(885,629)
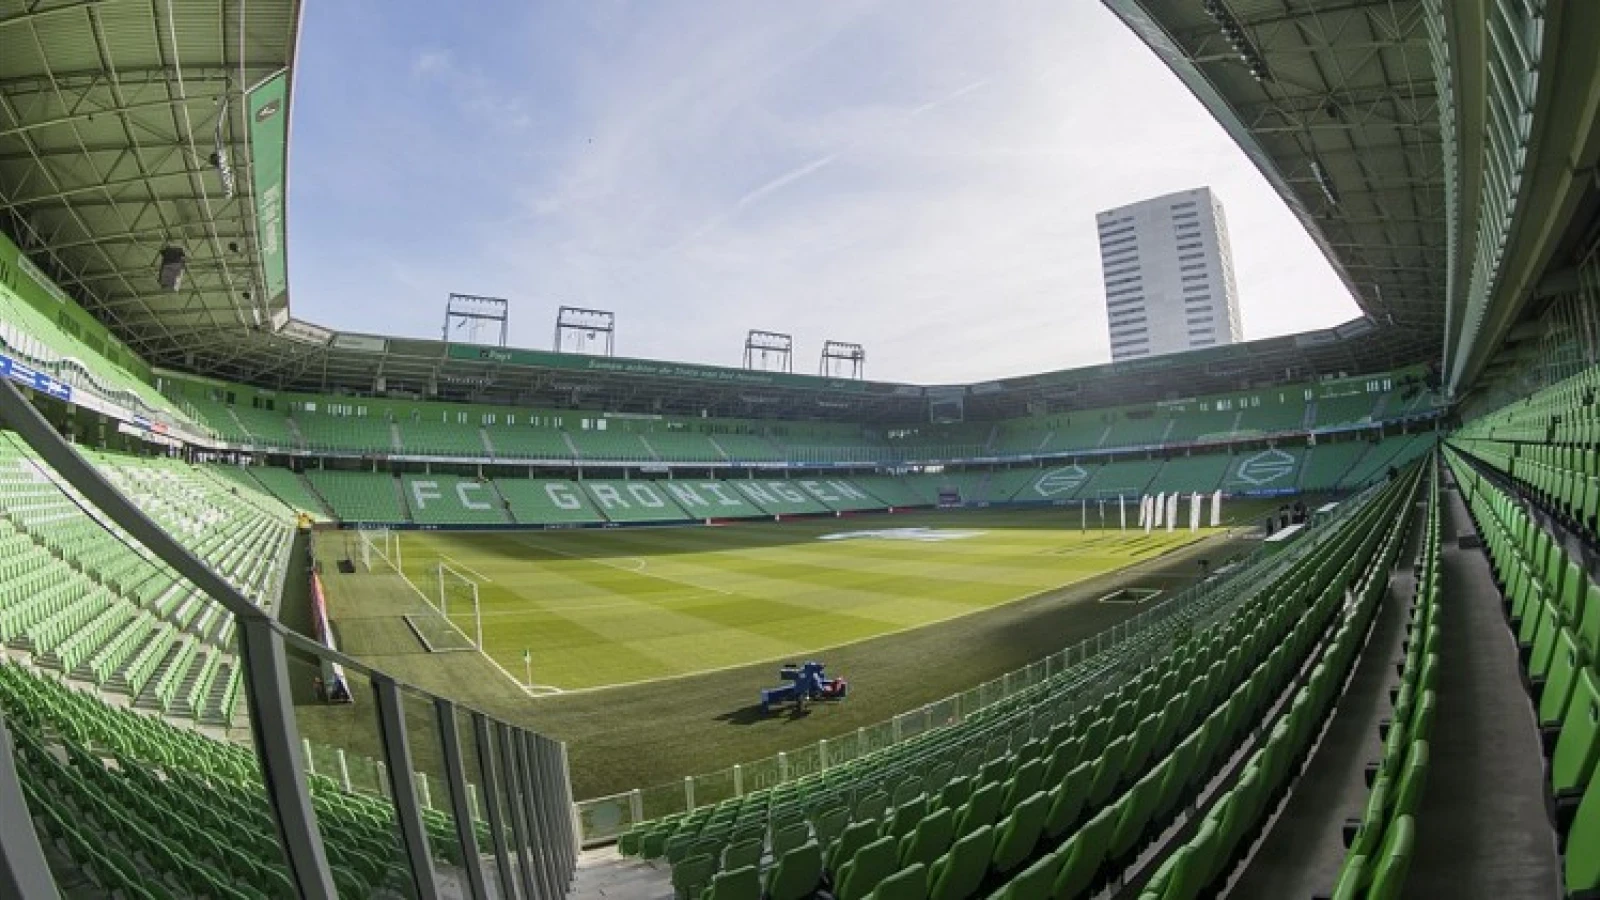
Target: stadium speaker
(174,262)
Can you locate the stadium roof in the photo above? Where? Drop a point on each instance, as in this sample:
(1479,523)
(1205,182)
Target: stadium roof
(1335,103)
(121,126)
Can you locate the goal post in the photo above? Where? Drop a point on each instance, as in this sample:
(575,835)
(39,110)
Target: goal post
(452,587)
(378,546)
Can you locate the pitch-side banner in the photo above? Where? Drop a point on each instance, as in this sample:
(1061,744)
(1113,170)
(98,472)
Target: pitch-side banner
(268,104)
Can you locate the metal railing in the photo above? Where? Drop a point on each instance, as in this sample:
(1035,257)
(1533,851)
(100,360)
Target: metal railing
(475,806)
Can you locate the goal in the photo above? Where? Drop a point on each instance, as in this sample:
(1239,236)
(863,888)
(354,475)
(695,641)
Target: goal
(456,596)
(378,546)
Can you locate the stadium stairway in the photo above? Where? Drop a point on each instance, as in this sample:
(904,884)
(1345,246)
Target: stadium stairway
(1056,792)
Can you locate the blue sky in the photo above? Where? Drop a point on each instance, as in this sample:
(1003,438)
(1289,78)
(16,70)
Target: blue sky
(917,177)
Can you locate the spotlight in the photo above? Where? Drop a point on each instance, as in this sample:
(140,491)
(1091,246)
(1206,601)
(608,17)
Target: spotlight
(174,262)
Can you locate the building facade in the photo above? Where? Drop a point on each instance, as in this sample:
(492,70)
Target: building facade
(1168,274)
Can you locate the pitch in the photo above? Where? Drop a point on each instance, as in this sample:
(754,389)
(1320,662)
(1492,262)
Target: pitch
(593,609)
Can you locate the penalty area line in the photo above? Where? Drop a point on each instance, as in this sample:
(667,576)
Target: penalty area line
(463,566)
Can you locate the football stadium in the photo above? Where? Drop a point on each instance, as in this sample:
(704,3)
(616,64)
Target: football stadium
(291,610)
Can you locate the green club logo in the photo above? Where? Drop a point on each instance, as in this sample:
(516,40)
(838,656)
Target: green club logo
(1064,480)
(1265,467)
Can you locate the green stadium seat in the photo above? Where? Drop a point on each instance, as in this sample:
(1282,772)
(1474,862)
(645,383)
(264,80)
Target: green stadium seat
(930,839)
(856,835)
(743,883)
(796,873)
(957,874)
(867,868)
(690,876)
(1019,833)
(910,883)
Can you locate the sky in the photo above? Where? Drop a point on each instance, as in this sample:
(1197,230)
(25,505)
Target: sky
(920,178)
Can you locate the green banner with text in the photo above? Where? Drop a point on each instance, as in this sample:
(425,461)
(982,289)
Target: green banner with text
(268,103)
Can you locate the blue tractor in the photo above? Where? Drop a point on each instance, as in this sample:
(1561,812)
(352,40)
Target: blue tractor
(804,683)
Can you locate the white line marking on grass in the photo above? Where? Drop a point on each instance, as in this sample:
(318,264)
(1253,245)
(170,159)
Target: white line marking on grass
(621,568)
(461,565)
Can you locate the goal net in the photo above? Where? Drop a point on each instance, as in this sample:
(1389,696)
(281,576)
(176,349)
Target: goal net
(459,623)
(378,546)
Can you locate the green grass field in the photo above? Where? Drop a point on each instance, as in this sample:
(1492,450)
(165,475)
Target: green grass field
(907,622)
(627,605)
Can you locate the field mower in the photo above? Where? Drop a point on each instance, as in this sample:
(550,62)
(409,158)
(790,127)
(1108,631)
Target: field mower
(805,683)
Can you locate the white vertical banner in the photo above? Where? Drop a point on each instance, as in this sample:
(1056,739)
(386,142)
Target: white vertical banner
(1216,509)
(1083,515)
(1122,513)
(1158,505)
(1144,509)
(1172,510)
(1194,511)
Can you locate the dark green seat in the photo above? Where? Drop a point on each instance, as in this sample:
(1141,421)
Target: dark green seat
(982,808)
(1033,883)
(930,839)
(1080,865)
(1566,662)
(910,883)
(1389,870)
(1022,784)
(1019,833)
(906,816)
(743,883)
(790,837)
(740,854)
(1582,862)
(796,873)
(957,874)
(1579,741)
(690,876)
(1066,801)
(829,824)
(869,866)
(856,835)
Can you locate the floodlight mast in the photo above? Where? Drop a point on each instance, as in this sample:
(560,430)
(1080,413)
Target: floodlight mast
(470,311)
(843,359)
(583,329)
(768,351)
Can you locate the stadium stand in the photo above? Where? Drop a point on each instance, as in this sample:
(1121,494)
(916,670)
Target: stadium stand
(1270,471)
(441,439)
(1326,464)
(1054,792)
(346,434)
(1392,451)
(1129,478)
(289,487)
(892,491)
(359,496)
(682,446)
(1344,409)
(1202,473)
(1141,428)
(528,442)
(747,448)
(1278,413)
(710,499)
(265,427)
(608,446)
(539,501)
(633,501)
(453,500)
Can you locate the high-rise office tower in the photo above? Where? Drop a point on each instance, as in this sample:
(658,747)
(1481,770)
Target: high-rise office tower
(1168,274)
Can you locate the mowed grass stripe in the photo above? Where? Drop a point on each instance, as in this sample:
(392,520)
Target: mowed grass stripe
(598,608)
